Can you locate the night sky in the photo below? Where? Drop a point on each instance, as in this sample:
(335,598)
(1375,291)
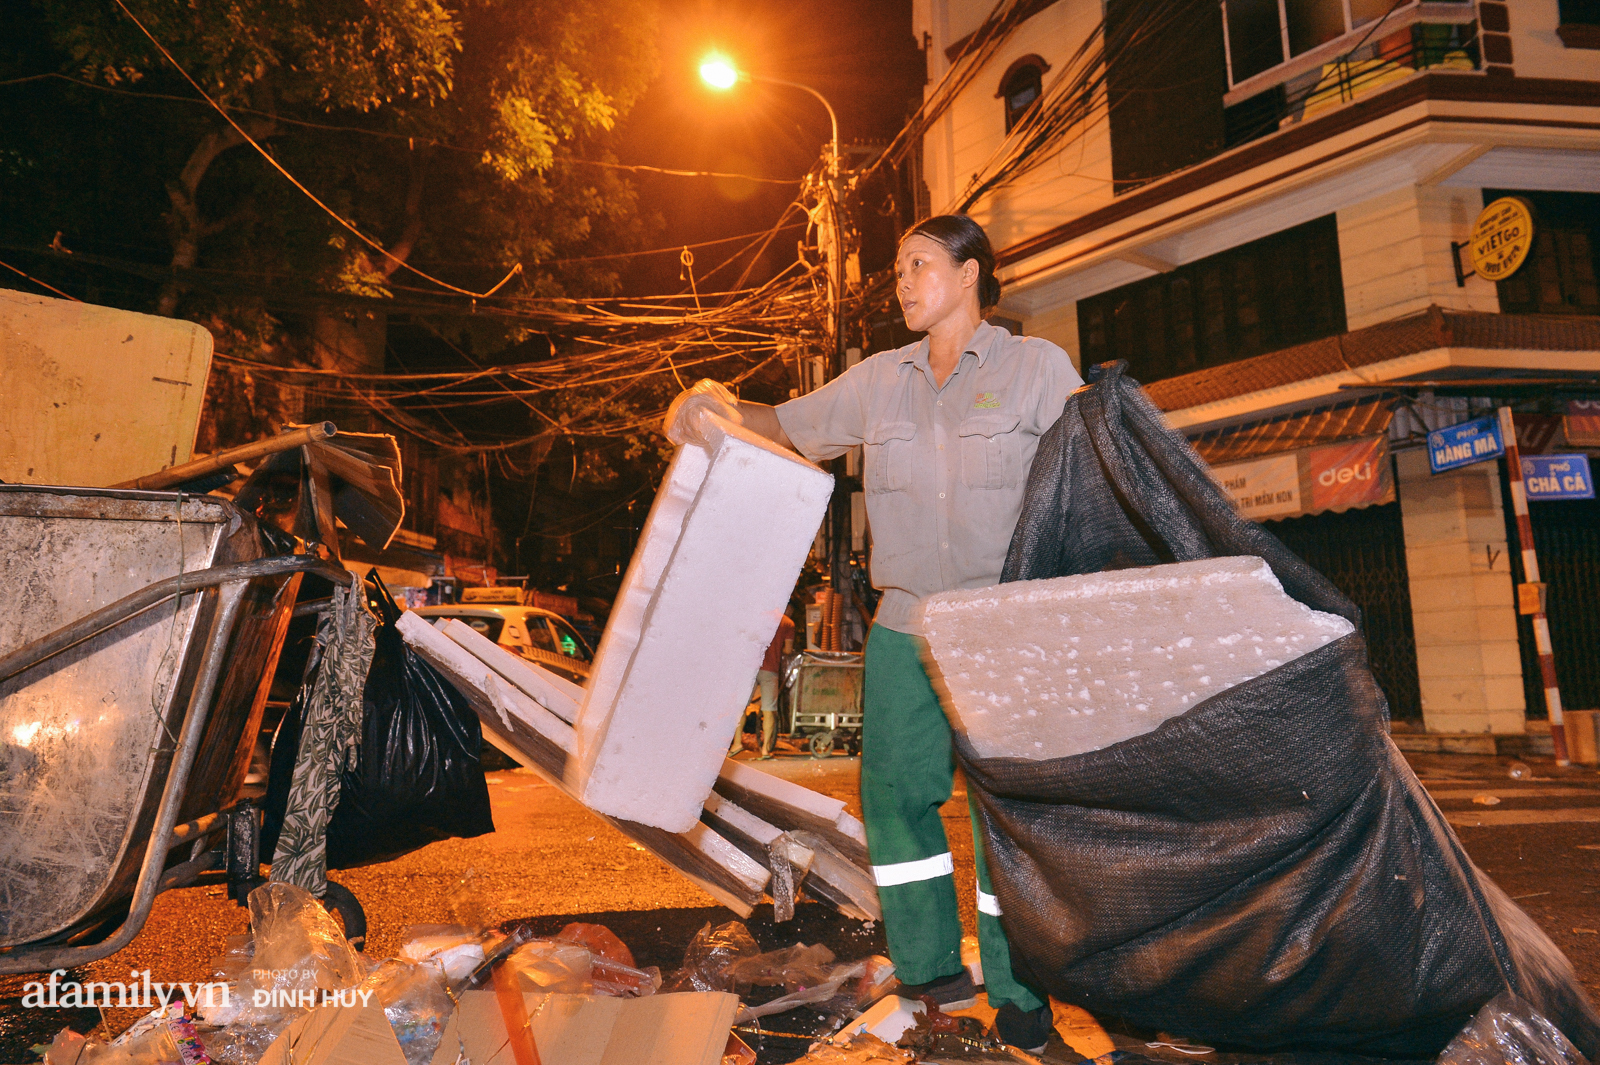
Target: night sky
(860,54)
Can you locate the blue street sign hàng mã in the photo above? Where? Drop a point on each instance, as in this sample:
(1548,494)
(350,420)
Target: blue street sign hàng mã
(1547,477)
(1464,444)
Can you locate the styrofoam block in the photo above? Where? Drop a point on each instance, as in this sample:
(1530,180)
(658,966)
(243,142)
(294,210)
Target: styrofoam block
(889,1019)
(1051,668)
(528,732)
(555,693)
(718,557)
(492,697)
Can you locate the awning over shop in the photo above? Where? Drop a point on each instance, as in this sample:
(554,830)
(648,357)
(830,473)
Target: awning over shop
(1325,425)
(1330,459)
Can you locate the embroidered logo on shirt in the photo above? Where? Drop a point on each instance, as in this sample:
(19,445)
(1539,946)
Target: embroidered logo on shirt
(986,401)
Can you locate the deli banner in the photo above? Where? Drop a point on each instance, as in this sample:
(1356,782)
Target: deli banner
(1582,422)
(1332,477)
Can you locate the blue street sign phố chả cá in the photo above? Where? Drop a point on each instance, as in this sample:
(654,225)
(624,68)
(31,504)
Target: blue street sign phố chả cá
(1464,444)
(1547,477)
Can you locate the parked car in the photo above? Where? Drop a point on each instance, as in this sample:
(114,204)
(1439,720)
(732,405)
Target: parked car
(540,636)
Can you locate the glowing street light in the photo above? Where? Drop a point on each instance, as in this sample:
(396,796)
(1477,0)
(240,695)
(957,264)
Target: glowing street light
(718,72)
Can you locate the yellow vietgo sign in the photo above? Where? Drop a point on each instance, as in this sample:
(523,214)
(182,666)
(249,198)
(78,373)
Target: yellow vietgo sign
(1501,238)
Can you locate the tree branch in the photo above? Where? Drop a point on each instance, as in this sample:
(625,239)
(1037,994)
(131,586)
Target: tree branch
(185,225)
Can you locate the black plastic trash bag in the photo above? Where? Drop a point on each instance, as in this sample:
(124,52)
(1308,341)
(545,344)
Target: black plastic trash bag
(417,776)
(1263,871)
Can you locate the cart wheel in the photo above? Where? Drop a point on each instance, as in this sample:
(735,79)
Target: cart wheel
(342,900)
(822,744)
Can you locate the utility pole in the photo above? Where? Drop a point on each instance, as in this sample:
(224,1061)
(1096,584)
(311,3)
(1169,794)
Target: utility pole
(1533,589)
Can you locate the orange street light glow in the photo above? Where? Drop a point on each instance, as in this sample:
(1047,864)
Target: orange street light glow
(718,72)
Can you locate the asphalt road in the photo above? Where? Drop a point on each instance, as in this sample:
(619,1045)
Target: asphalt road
(550,860)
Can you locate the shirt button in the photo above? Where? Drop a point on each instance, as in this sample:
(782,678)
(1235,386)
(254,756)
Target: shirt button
(946,544)
(941,495)
(941,447)
(939,404)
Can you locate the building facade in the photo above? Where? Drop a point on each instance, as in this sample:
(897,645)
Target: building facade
(1262,205)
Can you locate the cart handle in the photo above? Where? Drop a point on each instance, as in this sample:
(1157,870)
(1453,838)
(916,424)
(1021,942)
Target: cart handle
(74,633)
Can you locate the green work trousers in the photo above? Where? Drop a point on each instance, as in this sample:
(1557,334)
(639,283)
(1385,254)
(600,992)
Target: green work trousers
(907,773)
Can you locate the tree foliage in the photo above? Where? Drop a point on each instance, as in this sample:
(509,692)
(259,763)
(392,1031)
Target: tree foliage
(445,129)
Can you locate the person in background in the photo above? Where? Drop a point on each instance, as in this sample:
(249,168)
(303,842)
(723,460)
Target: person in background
(949,426)
(766,687)
(767,680)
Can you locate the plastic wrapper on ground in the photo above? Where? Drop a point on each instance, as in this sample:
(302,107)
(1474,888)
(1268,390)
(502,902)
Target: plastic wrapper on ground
(792,968)
(450,949)
(1508,1031)
(414,1002)
(551,967)
(298,945)
(155,1046)
(710,954)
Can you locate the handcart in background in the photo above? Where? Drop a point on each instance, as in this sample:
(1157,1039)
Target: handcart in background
(823,689)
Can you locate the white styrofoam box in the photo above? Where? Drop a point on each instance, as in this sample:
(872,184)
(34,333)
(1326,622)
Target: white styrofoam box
(1051,668)
(724,542)
(889,1018)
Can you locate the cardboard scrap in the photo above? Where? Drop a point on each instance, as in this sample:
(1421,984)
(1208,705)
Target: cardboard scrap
(674,1029)
(337,1035)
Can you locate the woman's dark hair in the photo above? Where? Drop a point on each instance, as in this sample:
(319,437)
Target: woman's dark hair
(964,239)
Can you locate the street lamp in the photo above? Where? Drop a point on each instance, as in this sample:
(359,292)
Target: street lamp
(719,72)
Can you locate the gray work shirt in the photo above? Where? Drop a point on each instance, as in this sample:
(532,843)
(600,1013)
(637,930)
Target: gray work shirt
(945,467)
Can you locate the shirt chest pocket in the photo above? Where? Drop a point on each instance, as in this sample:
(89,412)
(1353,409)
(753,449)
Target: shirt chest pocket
(991,451)
(889,456)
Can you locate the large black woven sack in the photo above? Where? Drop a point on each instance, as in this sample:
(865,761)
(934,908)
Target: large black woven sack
(1263,871)
(418,776)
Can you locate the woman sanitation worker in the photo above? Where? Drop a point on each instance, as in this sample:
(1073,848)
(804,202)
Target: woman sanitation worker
(950,425)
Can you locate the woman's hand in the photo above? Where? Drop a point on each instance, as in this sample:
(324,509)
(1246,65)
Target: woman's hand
(683,423)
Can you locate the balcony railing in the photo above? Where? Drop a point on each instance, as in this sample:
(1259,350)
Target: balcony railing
(1343,78)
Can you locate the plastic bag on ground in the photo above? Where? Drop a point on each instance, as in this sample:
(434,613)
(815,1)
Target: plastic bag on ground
(298,944)
(294,955)
(793,967)
(612,969)
(601,941)
(154,1046)
(1258,897)
(415,1003)
(841,989)
(449,948)
(169,1024)
(417,777)
(551,967)
(830,994)
(710,953)
(622,981)
(151,1045)
(1508,1031)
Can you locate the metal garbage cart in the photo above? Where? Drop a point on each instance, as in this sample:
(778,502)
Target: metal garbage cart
(824,693)
(135,662)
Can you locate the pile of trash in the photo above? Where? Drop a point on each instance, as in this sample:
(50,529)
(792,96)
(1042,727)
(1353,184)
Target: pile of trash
(295,990)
